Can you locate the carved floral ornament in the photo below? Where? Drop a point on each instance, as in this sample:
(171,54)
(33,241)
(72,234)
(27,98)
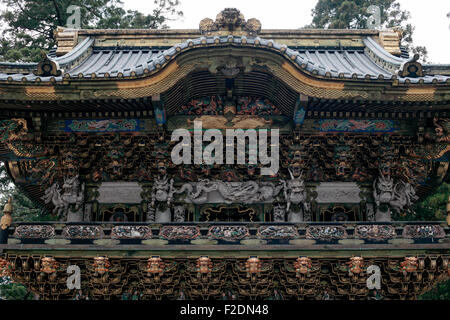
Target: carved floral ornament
(229,20)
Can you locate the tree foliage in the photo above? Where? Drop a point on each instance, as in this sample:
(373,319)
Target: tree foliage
(346,14)
(13,291)
(24,208)
(440,292)
(30,24)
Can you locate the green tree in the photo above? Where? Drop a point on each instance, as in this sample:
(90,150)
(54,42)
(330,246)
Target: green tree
(24,208)
(346,14)
(30,24)
(13,291)
(440,292)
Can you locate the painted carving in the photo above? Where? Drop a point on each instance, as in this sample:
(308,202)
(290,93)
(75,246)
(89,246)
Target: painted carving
(179,214)
(423,231)
(228,233)
(15,135)
(279,213)
(131,232)
(5,268)
(34,231)
(162,190)
(399,196)
(326,232)
(48,265)
(295,192)
(82,232)
(245,192)
(303,267)
(277,232)
(101,265)
(105,125)
(216,105)
(375,232)
(351,125)
(72,194)
(179,232)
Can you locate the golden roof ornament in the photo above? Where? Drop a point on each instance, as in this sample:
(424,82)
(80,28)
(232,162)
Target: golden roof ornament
(7,211)
(230,21)
(412,68)
(47,67)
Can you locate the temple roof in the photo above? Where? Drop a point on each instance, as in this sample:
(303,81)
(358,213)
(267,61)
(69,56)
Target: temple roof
(365,59)
(337,58)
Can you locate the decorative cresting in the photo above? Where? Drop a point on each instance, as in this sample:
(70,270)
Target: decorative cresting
(412,68)
(47,67)
(230,20)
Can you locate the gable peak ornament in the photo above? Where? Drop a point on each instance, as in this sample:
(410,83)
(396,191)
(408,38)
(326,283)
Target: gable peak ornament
(230,20)
(47,67)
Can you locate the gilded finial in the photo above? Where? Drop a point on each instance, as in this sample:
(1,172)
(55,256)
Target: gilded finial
(7,211)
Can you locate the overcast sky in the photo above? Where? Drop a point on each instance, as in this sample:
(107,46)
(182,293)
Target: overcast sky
(429,17)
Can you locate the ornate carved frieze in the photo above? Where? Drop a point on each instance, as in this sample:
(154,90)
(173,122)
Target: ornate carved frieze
(228,233)
(375,232)
(179,232)
(131,232)
(229,192)
(104,125)
(34,231)
(277,232)
(326,232)
(423,231)
(82,232)
(344,125)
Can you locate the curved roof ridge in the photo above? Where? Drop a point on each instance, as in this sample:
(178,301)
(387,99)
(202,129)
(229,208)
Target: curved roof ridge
(77,55)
